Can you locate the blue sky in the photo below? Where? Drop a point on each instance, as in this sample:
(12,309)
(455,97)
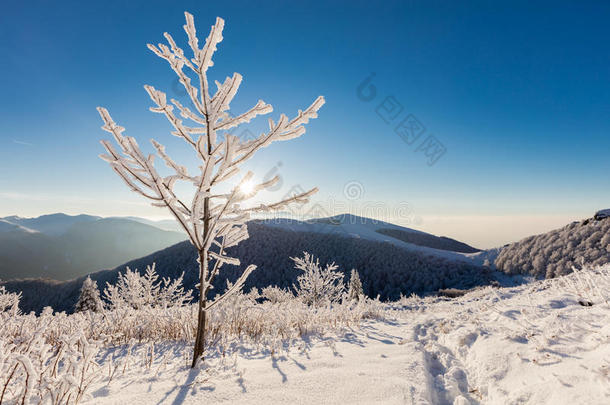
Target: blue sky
(518,94)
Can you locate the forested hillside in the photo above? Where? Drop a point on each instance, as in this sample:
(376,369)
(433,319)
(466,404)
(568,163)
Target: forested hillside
(385,269)
(554,253)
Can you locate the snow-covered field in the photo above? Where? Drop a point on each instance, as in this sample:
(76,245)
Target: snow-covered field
(531,344)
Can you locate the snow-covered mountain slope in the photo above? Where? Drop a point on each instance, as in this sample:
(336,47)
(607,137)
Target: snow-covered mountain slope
(533,344)
(353,226)
(6,226)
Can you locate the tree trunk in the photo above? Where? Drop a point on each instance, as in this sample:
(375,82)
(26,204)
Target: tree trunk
(203,273)
(201,317)
(203,254)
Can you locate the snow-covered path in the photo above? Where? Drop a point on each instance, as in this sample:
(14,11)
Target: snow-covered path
(533,344)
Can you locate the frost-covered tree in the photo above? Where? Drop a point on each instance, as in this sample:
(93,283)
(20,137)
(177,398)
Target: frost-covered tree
(317,285)
(139,291)
(354,289)
(89,298)
(214,218)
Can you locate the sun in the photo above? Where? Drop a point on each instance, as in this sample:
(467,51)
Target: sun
(247,187)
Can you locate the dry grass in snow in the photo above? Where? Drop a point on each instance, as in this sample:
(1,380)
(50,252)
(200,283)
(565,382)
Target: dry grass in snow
(547,342)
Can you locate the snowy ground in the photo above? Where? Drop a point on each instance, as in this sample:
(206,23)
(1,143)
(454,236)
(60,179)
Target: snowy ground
(531,344)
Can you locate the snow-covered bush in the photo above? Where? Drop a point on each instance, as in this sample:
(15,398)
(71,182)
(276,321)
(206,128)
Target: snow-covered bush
(54,358)
(276,295)
(9,302)
(46,359)
(140,291)
(89,298)
(584,289)
(318,286)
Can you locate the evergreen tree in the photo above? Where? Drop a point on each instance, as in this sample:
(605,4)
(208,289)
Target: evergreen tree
(354,290)
(89,298)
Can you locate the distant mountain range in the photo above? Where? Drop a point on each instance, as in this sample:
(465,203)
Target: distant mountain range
(390,259)
(62,247)
(164,224)
(51,225)
(388,265)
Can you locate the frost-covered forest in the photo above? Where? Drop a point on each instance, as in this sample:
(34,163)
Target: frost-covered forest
(555,253)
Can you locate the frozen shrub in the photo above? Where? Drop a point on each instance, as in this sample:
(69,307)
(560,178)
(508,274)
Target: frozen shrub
(54,358)
(146,291)
(318,286)
(44,361)
(276,295)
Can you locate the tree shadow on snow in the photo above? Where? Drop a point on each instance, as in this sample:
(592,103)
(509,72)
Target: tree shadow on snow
(183,389)
(275,365)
